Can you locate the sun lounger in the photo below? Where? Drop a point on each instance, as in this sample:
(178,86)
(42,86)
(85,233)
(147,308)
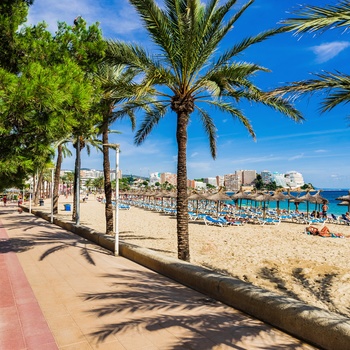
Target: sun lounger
(345,220)
(208,220)
(269,221)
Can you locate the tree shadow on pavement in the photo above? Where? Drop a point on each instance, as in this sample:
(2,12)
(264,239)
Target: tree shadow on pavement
(55,239)
(145,300)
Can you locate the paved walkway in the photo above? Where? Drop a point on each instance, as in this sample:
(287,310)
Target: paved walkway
(59,291)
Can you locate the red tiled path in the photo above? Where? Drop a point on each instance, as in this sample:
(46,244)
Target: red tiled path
(22,323)
(93,300)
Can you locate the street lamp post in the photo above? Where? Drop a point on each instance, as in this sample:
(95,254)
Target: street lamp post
(116,241)
(116,216)
(52,169)
(30,197)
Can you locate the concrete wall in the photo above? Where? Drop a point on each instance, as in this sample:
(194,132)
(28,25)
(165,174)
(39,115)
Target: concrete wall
(316,326)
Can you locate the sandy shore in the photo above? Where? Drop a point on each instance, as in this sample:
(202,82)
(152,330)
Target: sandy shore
(279,258)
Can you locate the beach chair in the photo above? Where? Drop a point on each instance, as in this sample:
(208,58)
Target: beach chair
(316,221)
(234,222)
(269,221)
(333,219)
(208,220)
(344,219)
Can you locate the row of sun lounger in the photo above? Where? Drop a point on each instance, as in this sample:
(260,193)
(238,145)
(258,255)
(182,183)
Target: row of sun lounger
(239,217)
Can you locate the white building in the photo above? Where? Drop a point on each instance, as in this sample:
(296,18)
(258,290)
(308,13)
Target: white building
(211,181)
(279,179)
(154,178)
(294,179)
(199,185)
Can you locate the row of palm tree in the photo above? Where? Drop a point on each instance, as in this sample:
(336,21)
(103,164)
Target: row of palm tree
(189,74)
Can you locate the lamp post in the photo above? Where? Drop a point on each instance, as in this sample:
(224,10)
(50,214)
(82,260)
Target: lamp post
(116,216)
(30,197)
(51,190)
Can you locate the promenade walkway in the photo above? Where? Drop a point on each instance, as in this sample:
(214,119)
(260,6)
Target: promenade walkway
(59,291)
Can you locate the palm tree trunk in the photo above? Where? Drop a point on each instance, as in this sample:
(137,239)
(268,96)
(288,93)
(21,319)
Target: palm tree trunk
(57,179)
(183,248)
(107,182)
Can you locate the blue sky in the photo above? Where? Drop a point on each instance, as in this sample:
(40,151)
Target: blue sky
(318,148)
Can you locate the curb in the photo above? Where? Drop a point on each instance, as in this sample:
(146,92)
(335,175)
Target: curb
(314,325)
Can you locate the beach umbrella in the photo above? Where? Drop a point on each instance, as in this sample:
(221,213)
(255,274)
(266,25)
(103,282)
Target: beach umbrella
(291,199)
(345,200)
(262,197)
(319,199)
(345,204)
(195,196)
(296,201)
(240,196)
(279,196)
(308,198)
(218,197)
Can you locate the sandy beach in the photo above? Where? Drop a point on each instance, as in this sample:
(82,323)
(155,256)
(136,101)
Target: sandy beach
(280,258)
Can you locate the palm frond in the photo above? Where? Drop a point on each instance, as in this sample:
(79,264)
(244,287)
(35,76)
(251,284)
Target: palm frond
(228,75)
(235,113)
(119,52)
(245,43)
(209,128)
(336,85)
(278,103)
(160,27)
(315,18)
(151,119)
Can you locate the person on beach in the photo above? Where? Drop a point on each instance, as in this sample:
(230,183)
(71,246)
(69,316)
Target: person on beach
(233,221)
(4,199)
(324,210)
(324,232)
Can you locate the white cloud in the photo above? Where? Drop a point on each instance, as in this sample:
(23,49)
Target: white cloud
(257,159)
(321,151)
(194,154)
(298,156)
(327,51)
(118,18)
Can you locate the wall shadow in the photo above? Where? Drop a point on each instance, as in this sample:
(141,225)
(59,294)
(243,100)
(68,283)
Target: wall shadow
(145,300)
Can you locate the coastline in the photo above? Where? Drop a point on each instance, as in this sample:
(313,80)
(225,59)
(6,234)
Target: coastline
(280,258)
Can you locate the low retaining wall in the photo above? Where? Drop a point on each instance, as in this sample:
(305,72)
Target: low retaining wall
(314,325)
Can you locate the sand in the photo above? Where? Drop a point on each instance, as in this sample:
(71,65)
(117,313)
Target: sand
(280,258)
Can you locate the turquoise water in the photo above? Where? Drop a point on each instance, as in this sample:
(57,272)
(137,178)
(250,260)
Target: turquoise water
(330,195)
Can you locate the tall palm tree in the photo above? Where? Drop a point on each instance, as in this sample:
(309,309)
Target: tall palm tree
(79,143)
(188,69)
(115,83)
(62,151)
(336,84)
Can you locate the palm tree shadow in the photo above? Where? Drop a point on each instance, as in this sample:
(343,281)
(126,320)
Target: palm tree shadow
(165,305)
(56,242)
(319,289)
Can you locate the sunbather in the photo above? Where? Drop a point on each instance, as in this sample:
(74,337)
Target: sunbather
(234,221)
(324,232)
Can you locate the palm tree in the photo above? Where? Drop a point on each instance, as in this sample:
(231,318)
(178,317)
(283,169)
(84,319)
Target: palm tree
(79,143)
(88,184)
(70,179)
(336,85)
(115,83)
(62,151)
(187,69)
(98,183)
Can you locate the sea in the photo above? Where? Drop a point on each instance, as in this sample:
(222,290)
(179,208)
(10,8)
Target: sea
(330,195)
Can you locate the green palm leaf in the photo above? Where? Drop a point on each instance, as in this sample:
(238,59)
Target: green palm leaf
(315,18)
